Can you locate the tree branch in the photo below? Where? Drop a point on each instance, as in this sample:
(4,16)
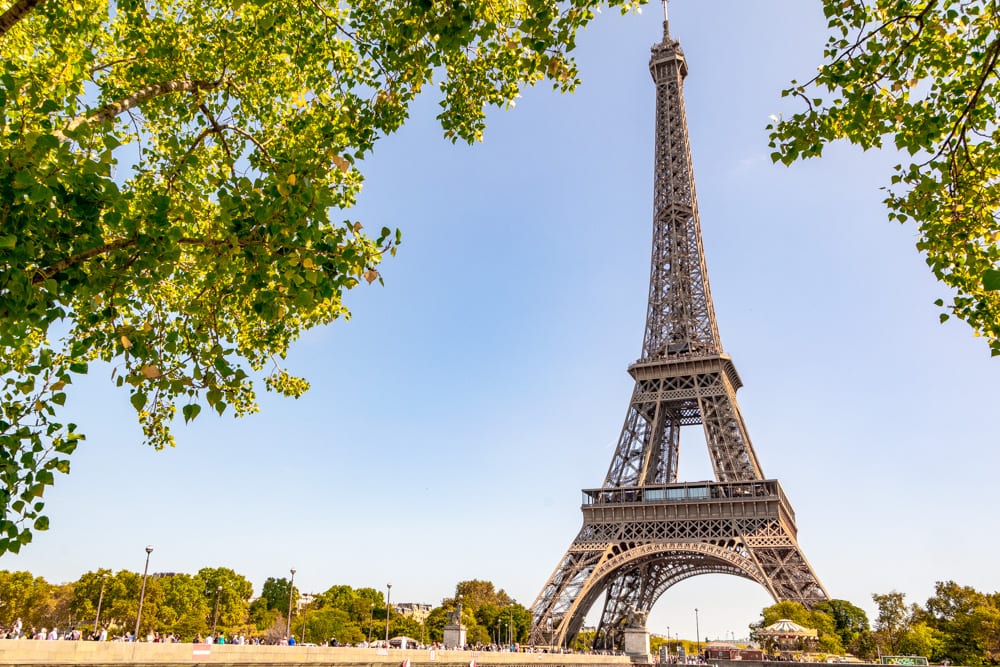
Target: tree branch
(109,111)
(44,274)
(64,264)
(961,123)
(12,16)
(864,37)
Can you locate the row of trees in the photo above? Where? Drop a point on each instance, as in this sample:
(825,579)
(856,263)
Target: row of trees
(221,600)
(356,615)
(958,623)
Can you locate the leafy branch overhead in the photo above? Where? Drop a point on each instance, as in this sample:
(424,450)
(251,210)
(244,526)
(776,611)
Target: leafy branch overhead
(922,77)
(173,180)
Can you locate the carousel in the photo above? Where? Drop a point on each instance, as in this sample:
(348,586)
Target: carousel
(786,635)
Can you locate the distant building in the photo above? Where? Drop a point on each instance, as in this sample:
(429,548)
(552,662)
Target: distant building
(418,611)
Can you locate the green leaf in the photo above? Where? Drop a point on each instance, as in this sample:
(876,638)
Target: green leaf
(190,411)
(138,400)
(47,141)
(991,280)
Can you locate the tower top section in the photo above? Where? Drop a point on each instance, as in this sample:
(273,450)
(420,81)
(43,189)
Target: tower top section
(668,50)
(680,321)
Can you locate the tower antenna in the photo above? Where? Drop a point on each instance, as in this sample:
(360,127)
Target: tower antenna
(666,30)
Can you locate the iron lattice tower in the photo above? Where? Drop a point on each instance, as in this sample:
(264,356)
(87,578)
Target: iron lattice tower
(643,531)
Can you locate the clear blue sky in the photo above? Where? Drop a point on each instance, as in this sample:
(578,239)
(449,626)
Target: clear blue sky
(453,421)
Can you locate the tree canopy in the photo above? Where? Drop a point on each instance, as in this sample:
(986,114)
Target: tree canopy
(174,180)
(920,76)
(820,620)
(219,599)
(958,624)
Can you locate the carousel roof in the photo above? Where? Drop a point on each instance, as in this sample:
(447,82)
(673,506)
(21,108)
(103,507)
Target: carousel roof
(787,628)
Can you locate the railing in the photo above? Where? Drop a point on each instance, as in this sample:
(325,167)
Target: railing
(688,492)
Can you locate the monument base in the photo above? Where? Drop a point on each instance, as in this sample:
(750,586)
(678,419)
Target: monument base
(637,645)
(454,636)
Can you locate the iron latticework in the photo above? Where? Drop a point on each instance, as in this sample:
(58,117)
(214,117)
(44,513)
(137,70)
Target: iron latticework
(642,530)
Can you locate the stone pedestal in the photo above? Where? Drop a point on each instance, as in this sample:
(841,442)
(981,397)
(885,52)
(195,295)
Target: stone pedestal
(637,645)
(454,636)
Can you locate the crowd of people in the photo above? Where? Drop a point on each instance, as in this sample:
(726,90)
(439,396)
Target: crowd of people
(18,631)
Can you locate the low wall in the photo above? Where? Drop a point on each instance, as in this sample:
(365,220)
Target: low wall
(783,663)
(96,654)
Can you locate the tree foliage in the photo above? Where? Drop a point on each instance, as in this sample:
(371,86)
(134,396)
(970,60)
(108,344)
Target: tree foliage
(893,620)
(820,620)
(173,181)
(185,610)
(849,620)
(25,596)
(920,76)
(490,615)
(964,624)
(185,605)
(226,594)
(958,624)
(277,593)
(435,622)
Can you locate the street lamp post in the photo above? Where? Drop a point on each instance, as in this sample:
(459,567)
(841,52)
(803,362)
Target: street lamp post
(388,607)
(142,593)
(510,629)
(371,620)
(288,623)
(100,599)
(697,633)
(215,616)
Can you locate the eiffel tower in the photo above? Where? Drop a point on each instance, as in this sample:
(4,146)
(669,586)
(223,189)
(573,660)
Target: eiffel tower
(643,531)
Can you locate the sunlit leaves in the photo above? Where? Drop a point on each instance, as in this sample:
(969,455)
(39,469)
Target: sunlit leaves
(920,76)
(172,179)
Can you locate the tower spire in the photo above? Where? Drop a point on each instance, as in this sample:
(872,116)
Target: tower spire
(666,23)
